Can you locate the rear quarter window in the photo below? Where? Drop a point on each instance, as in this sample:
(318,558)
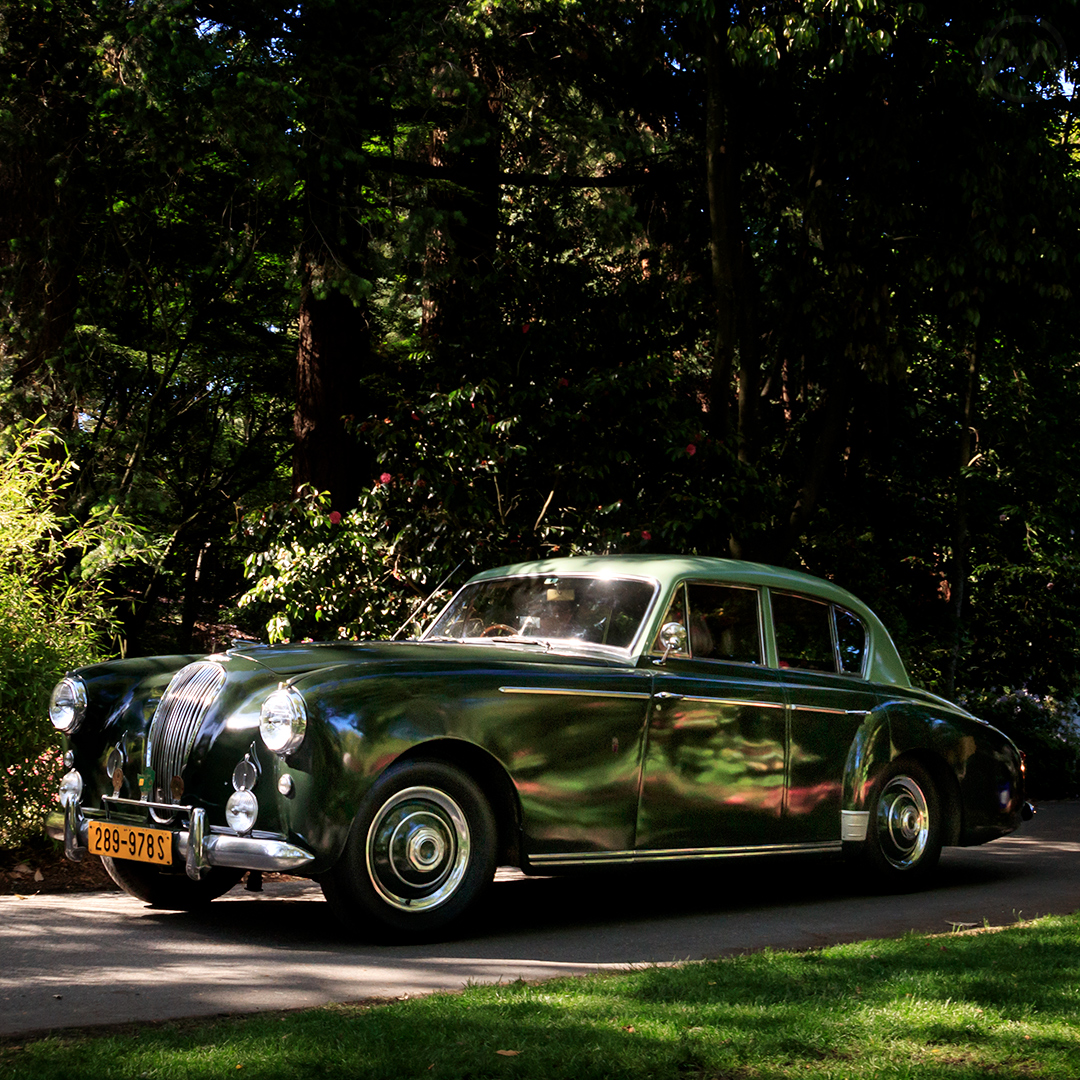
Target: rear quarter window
(814,635)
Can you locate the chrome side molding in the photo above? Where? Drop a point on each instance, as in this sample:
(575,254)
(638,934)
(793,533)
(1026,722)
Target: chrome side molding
(853,824)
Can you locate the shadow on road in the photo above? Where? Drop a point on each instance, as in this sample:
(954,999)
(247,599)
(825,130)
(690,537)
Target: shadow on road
(597,898)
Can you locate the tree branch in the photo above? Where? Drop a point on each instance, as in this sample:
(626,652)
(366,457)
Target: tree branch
(470,177)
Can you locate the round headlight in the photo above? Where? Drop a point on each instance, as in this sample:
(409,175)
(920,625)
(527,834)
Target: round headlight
(71,788)
(283,720)
(67,706)
(241,811)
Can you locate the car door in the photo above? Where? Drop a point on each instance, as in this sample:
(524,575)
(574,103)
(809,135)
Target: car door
(713,768)
(821,651)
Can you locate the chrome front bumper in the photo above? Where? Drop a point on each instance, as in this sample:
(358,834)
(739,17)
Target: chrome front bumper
(200,848)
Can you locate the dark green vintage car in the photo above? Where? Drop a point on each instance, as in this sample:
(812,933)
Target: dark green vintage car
(566,713)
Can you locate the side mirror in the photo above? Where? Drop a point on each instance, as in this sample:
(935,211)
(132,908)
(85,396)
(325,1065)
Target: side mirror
(673,639)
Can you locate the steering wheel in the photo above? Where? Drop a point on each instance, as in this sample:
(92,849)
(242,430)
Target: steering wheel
(499,626)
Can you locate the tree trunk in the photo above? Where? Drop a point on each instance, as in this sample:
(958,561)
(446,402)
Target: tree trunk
(831,425)
(462,254)
(959,564)
(721,175)
(43,137)
(335,343)
(735,355)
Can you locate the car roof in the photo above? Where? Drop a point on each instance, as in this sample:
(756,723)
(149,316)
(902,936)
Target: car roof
(668,568)
(885,664)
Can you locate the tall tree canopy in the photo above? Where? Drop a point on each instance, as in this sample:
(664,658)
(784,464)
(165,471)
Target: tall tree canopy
(786,281)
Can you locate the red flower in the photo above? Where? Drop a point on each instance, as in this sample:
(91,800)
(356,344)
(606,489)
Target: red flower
(385,478)
(335,518)
(564,382)
(525,327)
(645,534)
(691,449)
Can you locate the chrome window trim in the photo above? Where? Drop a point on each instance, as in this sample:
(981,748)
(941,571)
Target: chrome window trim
(684,585)
(834,634)
(865,660)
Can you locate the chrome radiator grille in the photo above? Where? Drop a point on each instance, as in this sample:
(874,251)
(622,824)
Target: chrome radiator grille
(176,723)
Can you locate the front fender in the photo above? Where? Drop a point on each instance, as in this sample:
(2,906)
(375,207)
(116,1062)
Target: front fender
(121,698)
(358,726)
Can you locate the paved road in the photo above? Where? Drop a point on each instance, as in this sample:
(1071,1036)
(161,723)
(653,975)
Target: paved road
(100,958)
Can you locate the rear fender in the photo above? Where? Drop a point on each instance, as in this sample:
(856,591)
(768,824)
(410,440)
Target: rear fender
(901,730)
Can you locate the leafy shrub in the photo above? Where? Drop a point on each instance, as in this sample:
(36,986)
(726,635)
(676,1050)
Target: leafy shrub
(477,477)
(1046,728)
(323,575)
(51,619)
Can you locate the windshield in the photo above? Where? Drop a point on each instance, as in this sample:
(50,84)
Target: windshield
(595,610)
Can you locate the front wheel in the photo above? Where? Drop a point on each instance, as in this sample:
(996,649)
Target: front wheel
(419,854)
(903,840)
(170,890)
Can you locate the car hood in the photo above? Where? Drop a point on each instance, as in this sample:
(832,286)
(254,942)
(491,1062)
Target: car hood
(289,661)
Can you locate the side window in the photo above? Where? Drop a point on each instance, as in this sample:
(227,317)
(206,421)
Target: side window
(803,633)
(850,640)
(724,623)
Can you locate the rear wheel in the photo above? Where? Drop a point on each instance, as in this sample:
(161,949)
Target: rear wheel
(903,840)
(170,890)
(419,854)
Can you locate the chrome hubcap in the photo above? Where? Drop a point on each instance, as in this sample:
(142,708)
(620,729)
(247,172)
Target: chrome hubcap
(903,822)
(425,848)
(417,849)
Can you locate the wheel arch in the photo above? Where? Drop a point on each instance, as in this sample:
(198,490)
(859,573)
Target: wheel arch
(881,740)
(492,778)
(948,791)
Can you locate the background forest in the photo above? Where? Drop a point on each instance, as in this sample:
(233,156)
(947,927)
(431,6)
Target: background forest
(304,307)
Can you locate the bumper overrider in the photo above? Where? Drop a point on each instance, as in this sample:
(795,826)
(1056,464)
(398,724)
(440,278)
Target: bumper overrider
(200,846)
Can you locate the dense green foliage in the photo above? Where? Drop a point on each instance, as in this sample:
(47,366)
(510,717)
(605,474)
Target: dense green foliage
(999,1002)
(50,620)
(791,282)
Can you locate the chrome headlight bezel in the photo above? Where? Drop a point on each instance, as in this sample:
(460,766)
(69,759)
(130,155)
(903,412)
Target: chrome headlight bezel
(242,811)
(283,720)
(67,704)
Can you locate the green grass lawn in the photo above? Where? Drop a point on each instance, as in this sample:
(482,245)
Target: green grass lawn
(1004,1003)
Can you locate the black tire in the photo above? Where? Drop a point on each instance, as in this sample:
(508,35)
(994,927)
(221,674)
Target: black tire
(163,889)
(904,833)
(420,852)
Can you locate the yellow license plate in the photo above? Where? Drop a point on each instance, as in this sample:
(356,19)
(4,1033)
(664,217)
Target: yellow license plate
(130,842)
